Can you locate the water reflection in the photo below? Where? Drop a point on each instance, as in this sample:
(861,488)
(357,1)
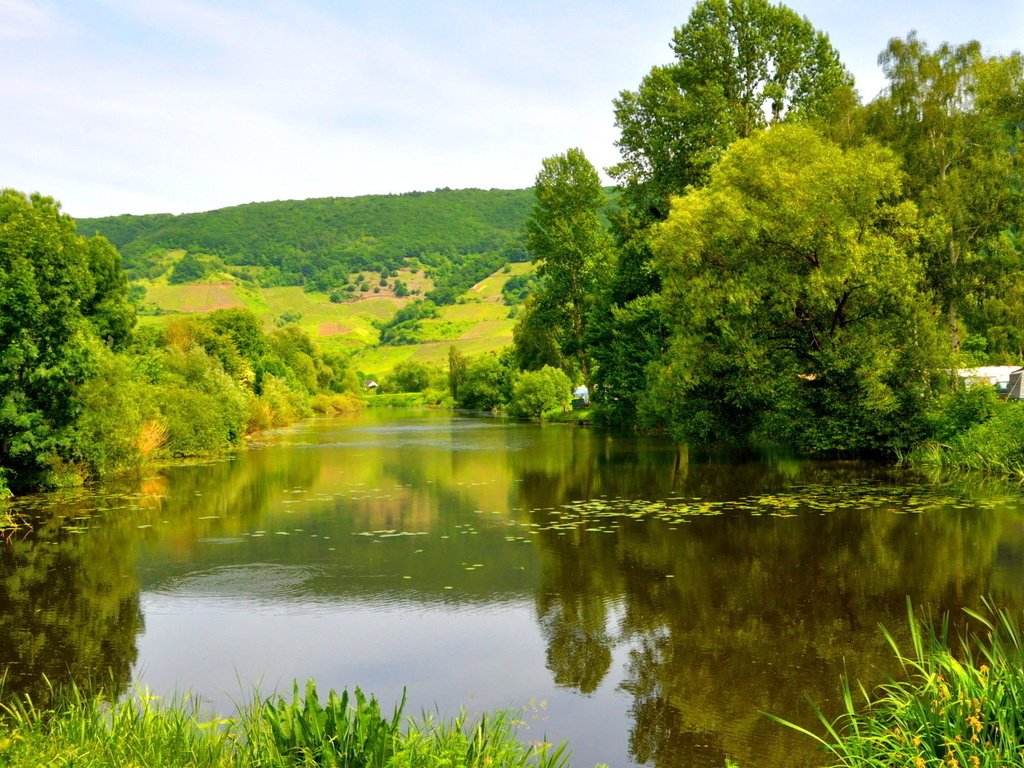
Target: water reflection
(490,564)
(69,608)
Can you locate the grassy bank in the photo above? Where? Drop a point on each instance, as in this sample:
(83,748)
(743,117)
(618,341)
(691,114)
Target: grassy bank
(961,704)
(339,731)
(975,431)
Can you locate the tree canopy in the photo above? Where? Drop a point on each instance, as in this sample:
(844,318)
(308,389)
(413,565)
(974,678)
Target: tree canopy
(740,65)
(570,245)
(795,298)
(57,291)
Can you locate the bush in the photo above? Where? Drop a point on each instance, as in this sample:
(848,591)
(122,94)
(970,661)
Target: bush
(963,408)
(994,445)
(481,386)
(198,423)
(188,269)
(413,376)
(120,428)
(537,392)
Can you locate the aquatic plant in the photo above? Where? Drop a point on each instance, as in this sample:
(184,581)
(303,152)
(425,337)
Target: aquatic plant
(332,734)
(959,707)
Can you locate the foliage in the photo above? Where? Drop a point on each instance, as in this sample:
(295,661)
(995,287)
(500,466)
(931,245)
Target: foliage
(413,376)
(121,426)
(798,314)
(483,384)
(740,65)
(537,392)
(340,732)
(953,709)
(961,409)
(517,288)
(187,269)
(456,372)
(570,245)
(404,327)
(336,403)
(52,304)
(460,236)
(957,118)
(979,435)
(631,337)
(307,733)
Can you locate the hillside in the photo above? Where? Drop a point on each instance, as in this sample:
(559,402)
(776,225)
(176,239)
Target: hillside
(341,268)
(479,321)
(457,237)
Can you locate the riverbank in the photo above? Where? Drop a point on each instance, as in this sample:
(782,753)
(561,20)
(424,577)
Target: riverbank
(975,431)
(339,731)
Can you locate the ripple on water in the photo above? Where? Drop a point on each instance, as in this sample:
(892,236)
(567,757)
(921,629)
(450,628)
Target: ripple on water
(263,582)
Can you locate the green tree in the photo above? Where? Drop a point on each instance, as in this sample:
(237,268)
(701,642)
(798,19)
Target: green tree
(799,315)
(456,371)
(187,269)
(45,280)
(412,376)
(570,245)
(481,388)
(957,118)
(740,65)
(109,308)
(537,392)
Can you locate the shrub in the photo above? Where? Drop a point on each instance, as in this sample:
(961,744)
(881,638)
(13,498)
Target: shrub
(537,392)
(188,269)
(995,444)
(481,386)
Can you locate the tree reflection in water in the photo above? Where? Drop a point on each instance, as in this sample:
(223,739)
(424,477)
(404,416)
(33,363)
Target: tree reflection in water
(727,617)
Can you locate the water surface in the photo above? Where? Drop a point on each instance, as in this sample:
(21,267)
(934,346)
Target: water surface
(641,602)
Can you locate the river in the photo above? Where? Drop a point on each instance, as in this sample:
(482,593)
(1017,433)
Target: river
(645,603)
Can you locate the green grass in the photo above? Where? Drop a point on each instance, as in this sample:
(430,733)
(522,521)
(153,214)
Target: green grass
(994,445)
(340,731)
(962,709)
(479,323)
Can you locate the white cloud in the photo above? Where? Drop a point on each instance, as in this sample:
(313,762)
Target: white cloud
(191,104)
(21,19)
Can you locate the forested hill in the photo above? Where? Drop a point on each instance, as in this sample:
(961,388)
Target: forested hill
(320,242)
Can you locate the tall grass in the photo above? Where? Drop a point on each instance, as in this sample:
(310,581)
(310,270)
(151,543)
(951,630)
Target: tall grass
(340,731)
(990,440)
(962,709)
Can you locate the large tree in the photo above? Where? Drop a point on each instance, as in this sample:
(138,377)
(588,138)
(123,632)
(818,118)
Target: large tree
(57,292)
(570,246)
(957,118)
(740,65)
(796,301)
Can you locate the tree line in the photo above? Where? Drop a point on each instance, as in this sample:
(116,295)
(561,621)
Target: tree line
(458,237)
(86,394)
(787,264)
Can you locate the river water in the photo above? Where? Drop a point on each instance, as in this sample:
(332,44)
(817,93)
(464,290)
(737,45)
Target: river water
(644,603)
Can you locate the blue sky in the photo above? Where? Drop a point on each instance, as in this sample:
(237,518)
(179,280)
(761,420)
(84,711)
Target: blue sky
(142,106)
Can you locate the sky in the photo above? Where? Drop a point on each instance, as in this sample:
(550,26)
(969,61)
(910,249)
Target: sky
(146,106)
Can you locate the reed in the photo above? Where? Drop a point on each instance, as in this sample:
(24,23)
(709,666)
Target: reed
(962,709)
